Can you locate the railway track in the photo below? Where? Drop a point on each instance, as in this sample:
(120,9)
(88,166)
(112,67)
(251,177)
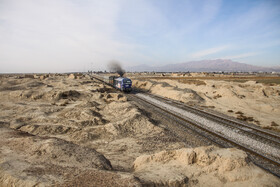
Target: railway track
(263,160)
(237,126)
(262,146)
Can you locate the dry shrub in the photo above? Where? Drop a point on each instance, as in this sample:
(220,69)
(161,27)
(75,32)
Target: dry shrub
(196,82)
(217,96)
(245,118)
(274,124)
(241,113)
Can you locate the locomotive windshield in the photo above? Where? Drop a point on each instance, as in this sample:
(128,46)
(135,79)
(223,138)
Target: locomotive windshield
(127,81)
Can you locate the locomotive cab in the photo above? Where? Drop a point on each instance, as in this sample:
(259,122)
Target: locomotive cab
(127,83)
(121,83)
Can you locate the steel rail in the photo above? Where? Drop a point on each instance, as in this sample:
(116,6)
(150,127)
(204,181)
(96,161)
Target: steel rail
(229,122)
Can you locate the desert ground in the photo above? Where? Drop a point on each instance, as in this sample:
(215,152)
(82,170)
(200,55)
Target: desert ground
(253,100)
(71,130)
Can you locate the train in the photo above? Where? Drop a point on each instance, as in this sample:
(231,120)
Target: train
(122,83)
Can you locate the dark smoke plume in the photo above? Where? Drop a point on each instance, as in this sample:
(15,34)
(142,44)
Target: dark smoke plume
(116,67)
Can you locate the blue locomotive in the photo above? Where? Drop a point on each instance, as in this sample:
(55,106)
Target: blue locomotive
(122,83)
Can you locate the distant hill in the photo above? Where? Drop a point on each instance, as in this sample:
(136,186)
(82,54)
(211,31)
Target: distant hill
(205,66)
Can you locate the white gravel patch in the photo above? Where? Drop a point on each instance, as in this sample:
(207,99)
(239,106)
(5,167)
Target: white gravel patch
(218,128)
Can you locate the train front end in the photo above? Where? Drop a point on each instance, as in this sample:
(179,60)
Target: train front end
(122,83)
(127,84)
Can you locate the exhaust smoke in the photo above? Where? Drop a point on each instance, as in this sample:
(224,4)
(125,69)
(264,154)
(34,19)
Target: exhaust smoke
(116,67)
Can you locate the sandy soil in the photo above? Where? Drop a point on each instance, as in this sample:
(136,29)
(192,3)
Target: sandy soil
(250,101)
(60,130)
(202,166)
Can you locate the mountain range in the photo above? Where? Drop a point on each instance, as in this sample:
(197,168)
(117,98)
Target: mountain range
(205,66)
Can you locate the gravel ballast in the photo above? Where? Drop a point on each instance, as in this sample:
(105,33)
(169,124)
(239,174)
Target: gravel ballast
(217,128)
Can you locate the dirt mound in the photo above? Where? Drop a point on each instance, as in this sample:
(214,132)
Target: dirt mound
(168,90)
(72,76)
(80,114)
(71,95)
(53,150)
(128,121)
(131,126)
(186,167)
(22,154)
(89,104)
(48,129)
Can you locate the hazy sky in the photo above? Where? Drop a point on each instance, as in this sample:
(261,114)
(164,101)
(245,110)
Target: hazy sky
(76,35)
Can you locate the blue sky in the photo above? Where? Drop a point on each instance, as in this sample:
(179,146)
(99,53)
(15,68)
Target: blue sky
(76,35)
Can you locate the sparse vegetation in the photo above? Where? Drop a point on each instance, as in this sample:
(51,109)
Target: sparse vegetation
(241,113)
(217,96)
(274,124)
(196,82)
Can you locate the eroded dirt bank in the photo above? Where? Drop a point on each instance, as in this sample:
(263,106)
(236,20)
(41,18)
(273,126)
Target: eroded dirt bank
(73,131)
